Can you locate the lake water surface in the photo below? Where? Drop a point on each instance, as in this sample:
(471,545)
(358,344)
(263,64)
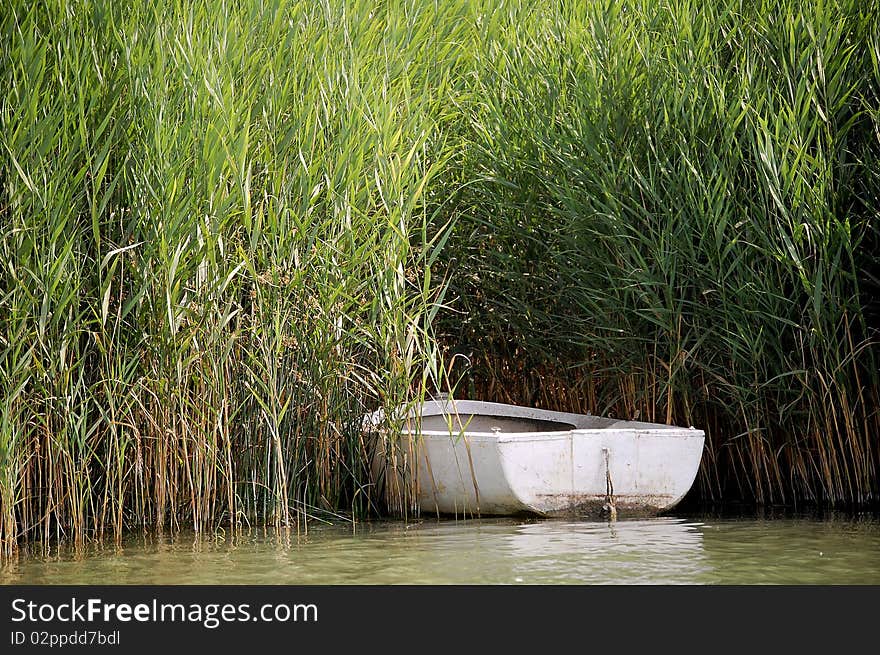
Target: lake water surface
(665,550)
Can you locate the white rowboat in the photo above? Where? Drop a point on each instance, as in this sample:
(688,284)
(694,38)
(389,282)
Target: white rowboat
(469,457)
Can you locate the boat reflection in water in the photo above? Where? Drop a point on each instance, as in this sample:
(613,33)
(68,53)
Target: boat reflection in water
(650,551)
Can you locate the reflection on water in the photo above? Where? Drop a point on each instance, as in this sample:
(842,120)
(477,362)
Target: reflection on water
(489,551)
(657,551)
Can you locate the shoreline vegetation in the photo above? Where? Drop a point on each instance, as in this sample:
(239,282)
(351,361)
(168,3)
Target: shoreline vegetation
(228,230)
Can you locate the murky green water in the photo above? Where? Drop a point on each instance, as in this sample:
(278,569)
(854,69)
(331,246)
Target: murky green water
(666,550)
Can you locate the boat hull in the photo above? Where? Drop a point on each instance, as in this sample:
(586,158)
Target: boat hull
(471,458)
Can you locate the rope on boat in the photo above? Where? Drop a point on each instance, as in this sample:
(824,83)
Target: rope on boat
(609,507)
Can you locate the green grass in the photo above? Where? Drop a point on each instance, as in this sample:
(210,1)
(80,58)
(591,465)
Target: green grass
(228,229)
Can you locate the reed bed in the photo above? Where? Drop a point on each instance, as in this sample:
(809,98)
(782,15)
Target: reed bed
(673,215)
(228,230)
(214,232)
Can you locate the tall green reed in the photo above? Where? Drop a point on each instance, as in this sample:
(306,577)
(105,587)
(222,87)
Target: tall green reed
(215,227)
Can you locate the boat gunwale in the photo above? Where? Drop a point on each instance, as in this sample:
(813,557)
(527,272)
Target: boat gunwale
(456,408)
(502,437)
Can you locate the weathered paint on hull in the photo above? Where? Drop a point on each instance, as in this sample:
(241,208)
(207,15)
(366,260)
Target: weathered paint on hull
(466,469)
